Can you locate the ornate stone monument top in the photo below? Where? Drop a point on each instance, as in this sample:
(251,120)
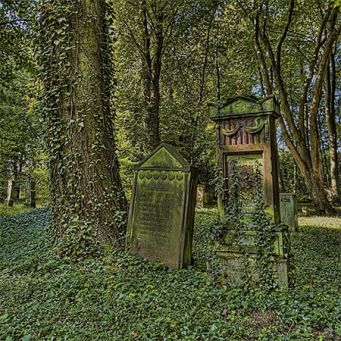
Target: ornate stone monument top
(165,157)
(246,140)
(245,106)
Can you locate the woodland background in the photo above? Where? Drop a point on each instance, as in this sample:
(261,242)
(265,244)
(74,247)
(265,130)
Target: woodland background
(170,61)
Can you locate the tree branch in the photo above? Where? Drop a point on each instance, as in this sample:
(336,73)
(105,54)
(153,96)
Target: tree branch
(284,34)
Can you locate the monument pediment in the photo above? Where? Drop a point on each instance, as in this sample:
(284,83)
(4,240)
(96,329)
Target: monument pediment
(167,157)
(245,106)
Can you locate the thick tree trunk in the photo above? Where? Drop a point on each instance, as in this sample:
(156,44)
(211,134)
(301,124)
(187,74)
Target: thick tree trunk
(312,178)
(86,191)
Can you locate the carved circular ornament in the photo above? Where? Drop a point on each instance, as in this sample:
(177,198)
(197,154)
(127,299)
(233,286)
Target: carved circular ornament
(179,177)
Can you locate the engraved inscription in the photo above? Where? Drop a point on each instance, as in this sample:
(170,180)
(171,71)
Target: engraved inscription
(157,222)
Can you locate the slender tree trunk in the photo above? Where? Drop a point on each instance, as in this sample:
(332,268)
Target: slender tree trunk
(10,190)
(151,73)
(86,191)
(331,126)
(30,193)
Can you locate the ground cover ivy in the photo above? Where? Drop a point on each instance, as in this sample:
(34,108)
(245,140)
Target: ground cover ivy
(121,297)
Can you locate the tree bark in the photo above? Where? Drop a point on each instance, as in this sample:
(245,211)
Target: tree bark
(151,72)
(86,192)
(331,126)
(10,190)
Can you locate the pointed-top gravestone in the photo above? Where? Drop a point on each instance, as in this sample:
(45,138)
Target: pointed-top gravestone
(161,216)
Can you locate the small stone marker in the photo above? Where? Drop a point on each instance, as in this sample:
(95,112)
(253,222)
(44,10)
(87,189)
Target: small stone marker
(289,210)
(161,215)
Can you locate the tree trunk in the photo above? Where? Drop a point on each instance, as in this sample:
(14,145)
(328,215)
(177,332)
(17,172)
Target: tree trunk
(331,126)
(30,193)
(10,190)
(315,186)
(87,198)
(151,73)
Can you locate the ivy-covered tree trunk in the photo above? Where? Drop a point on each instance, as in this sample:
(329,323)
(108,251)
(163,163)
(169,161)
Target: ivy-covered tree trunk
(87,200)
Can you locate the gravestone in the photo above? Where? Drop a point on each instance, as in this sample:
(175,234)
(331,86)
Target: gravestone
(161,215)
(247,148)
(289,210)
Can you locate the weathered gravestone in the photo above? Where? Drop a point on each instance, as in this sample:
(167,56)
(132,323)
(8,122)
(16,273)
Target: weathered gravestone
(247,149)
(161,216)
(289,210)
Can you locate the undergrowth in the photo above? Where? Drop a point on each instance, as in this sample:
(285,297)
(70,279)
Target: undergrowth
(121,297)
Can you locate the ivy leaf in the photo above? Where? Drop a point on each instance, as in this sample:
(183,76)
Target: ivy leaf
(60,20)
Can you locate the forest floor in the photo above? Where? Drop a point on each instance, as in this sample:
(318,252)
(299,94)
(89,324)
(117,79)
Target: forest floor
(121,297)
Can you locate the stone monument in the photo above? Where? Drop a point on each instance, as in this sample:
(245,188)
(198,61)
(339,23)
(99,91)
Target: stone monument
(247,147)
(289,211)
(161,215)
